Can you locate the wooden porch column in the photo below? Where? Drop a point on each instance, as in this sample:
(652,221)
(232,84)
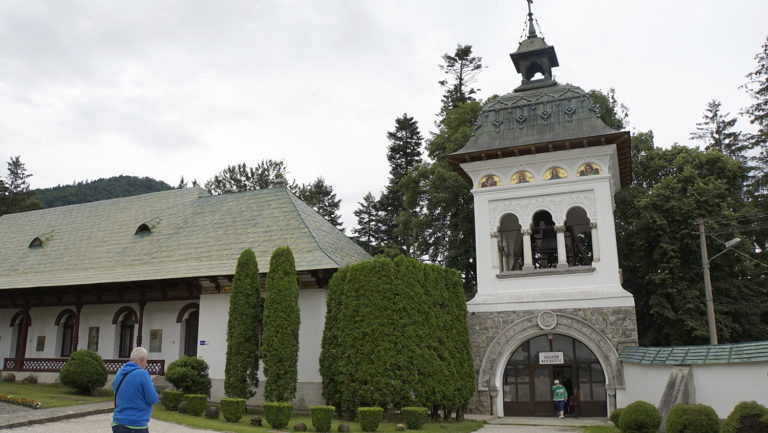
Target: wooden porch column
(141,322)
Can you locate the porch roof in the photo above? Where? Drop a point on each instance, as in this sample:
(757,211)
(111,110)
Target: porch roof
(191,234)
(705,354)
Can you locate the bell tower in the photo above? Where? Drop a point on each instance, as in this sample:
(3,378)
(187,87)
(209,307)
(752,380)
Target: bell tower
(544,170)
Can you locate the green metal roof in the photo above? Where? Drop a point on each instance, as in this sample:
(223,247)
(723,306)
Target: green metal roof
(688,355)
(193,234)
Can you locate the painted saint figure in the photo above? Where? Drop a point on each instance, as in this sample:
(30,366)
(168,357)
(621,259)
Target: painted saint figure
(555,173)
(522,177)
(489,180)
(589,169)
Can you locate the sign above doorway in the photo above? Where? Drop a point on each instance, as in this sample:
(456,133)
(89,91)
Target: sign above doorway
(551,358)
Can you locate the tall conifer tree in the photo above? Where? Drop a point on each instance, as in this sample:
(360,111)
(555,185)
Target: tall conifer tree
(242,361)
(281,327)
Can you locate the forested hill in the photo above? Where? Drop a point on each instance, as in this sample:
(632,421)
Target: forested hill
(101,189)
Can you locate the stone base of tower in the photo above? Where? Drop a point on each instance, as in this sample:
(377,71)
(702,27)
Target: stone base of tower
(511,390)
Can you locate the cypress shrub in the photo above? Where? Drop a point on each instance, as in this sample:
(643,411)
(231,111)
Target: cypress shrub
(692,418)
(414,417)
(196,403)
(233,408)
(278,415)
(330,348)
(640,417)
(615,415)
(85,371)
(242,361)
(322,417)
(745,417)
(280,347)
(171,399)
(189,374)
(369,418)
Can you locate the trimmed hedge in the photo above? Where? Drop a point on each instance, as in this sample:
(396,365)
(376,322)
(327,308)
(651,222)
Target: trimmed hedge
(85,371)
(414,417)
(189,375)
(171,399)
(746,414)
(322,417)
(369,417)
(640,417)
(196,403)
(278,415)
(692,418)
(233,408)
(615,416)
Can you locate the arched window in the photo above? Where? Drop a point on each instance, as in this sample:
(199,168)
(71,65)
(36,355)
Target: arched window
(125,332)
(578,237)
(510,244)
(20,323)
(544,240)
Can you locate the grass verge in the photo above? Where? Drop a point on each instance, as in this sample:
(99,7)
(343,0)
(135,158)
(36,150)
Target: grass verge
(602,429)
(52,395)
(160,413)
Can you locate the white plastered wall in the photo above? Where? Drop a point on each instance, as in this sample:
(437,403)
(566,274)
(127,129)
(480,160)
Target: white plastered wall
(721,386)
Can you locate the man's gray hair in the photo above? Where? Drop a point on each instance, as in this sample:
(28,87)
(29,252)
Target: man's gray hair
(138,353)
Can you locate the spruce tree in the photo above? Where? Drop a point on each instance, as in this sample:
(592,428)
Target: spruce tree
(716,131)
(368,231)
(280,348)
(757,113)
(404,154)
(242,362)
(320,196)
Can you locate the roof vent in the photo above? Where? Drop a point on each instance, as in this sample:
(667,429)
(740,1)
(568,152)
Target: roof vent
(40,241)
(147,227)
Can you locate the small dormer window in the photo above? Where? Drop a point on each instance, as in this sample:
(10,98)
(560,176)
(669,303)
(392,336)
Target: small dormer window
(40,241)
(143,229)
(147,227)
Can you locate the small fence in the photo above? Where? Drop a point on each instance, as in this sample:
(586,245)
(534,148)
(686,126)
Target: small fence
(54,365)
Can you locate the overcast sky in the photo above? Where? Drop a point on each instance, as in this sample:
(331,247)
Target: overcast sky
(171,88)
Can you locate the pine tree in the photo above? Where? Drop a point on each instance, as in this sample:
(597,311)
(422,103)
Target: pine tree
(716,131)
(241,177)
(281,328)
(242,361)
(15,195)
(368,231)
(462,68)
(320,196)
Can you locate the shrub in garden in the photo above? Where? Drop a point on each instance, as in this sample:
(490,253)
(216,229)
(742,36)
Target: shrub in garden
(414,417)
(692,418)
(615,415)
(233,408)
(171,399)
(84,371)
(212,412)
(745,417)
(189,375)
(278,414)
(196,403)
(322,417)
(369,417)
(30,379)
(640,417)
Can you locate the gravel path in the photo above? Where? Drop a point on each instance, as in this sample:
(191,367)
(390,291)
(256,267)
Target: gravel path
(8,408)
(99,423)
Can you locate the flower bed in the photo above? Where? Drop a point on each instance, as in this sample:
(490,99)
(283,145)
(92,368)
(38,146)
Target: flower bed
(21,401)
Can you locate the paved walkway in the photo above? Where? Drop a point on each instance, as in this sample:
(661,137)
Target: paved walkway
(97,417)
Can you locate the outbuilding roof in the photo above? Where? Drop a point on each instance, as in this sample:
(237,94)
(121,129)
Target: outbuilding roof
(705,354)
(170,234)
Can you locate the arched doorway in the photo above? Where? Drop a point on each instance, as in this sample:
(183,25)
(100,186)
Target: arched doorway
(190,334)
(535,364)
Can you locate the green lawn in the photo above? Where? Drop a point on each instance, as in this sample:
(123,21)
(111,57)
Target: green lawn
(54,395)
(160,413)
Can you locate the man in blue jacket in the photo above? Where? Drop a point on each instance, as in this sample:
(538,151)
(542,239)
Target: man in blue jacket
(134,395)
